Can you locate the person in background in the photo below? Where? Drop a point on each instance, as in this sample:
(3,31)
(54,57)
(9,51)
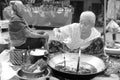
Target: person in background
(21,36)
(75,36)
(2,6)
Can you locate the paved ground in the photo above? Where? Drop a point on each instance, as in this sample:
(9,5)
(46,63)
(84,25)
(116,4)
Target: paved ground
(108,35)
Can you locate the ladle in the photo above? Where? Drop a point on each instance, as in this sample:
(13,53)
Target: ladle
(64,51)
(78,63)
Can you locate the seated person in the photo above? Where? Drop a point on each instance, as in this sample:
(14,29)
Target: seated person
(78,35)
(21,36)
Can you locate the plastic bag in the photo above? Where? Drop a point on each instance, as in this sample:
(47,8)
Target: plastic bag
(113,27)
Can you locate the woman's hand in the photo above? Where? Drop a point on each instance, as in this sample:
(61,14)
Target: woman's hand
(45,34)
(58,33)
(41,32)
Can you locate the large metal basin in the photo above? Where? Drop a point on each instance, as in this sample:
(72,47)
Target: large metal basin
(71,60)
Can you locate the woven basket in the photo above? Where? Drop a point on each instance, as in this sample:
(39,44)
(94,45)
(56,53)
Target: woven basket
(17,57)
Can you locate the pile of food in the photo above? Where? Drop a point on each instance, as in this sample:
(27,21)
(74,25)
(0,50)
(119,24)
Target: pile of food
(39,66)
(84,68)
(37,52)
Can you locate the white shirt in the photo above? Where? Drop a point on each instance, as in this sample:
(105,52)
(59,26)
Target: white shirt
(72,33)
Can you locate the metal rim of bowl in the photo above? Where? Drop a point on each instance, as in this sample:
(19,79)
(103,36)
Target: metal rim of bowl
(30,78)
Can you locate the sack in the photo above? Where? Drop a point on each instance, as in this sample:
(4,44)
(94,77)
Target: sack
(17,56)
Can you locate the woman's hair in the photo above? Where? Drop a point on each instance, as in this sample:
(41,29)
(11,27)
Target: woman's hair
(88,17)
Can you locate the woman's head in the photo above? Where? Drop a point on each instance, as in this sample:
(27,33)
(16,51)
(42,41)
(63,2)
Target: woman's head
(17,7)
(87,18)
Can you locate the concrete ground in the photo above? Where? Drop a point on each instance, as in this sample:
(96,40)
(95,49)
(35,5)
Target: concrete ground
(108,35)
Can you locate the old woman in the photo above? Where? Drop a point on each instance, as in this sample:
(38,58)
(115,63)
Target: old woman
(79,35)
(21,36)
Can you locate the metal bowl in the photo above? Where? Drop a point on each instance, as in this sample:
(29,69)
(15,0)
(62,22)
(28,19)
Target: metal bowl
(71,60)
(31,76)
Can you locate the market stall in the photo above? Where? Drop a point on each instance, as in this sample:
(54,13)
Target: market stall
(58,66)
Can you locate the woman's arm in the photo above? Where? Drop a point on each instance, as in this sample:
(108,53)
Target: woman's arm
(33,34)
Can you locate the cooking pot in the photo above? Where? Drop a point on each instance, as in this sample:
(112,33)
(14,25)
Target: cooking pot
(71,59)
